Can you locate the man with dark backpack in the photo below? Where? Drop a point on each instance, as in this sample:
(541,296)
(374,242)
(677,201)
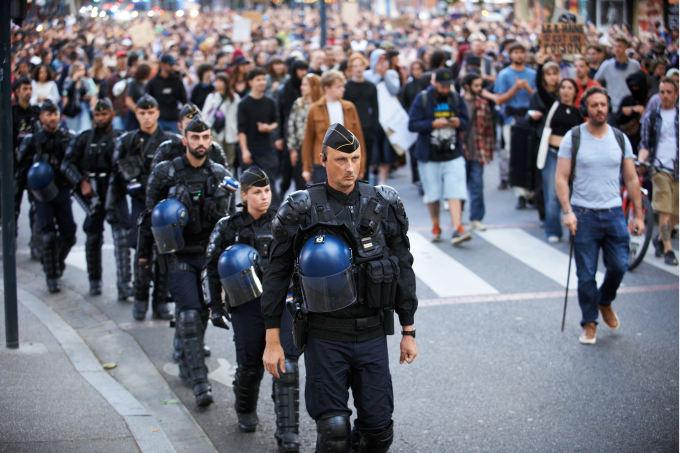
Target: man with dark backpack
(439,116)
(588,189)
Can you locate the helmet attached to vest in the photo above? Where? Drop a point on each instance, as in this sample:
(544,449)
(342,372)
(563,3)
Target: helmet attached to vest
(326,274)
(168,220)
(41,182)
(237,267)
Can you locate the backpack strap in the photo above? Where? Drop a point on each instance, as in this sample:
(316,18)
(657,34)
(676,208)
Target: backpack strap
(180,171)
(321,210)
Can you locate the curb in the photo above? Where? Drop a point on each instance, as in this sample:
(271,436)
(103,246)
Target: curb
(144,427)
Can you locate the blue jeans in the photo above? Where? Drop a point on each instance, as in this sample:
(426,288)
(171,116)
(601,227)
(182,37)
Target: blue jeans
(475,183)
(168,126)
(597,230)
(553,226)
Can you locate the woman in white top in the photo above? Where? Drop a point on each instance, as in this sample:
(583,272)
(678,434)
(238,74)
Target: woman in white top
(220,112)
(44,86)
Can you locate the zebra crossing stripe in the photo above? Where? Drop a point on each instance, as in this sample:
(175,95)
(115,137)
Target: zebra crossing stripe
(536,254)
(435,268)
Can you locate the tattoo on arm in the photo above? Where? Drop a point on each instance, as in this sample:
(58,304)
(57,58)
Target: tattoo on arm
(666,231)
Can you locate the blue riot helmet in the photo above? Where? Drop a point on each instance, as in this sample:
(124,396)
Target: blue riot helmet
(237,267)
(326,274)
(168,220)
(41,182)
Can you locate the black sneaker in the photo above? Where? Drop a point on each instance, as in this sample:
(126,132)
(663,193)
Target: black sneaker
(521,203)
(658,247)
(670,259)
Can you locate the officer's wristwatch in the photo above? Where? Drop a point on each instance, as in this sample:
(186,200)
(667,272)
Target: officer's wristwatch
(409,332)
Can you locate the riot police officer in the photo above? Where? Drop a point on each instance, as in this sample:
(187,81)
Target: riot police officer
(173,148)
(25,121)
(250,230)
(87,165)
(131,169)
(344,243)
(198,184)
(38,163)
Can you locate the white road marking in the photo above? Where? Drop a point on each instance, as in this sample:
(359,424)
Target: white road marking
(536,254)
(443,274)
(658,262)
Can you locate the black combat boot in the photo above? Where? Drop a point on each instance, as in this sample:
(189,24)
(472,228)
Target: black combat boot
(93,255)
(286,396)
(50,261)
(64,250)
(123,269)
(247,389)
(192,368)
(142,283)
(372,442)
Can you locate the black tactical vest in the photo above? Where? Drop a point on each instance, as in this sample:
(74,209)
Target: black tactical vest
(97,156)
(260,238)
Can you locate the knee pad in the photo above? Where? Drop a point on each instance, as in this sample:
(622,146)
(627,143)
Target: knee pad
(332,434)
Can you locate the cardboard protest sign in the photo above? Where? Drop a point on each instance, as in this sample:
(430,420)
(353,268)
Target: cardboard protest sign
(142,34)
(254,16)
(402,22)
(241,30)
(563,38)
(349,13)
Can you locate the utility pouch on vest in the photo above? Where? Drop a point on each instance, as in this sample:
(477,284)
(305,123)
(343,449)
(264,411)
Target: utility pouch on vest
(381,282)
(370,218)
(130,168)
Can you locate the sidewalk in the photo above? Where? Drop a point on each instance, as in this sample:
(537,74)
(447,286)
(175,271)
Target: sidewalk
(47,405)
(60,398)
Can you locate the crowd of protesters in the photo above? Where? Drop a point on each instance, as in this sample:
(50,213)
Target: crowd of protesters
(466,83)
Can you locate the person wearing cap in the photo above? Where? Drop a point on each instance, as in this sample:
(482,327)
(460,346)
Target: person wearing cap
(54,218)
(345,348)
(118,98)
(170,149)
(251,226)
(26,121)
(439,116)
(131,167)
(168,89)
(514,87)
(198,183)
(87,166)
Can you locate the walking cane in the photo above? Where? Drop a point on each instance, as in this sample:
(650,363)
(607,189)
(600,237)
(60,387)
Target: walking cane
(566,291)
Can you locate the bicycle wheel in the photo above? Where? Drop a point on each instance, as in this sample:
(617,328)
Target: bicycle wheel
(639,244)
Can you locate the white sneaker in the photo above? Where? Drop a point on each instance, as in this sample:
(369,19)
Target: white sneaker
(554,239)
(477,225)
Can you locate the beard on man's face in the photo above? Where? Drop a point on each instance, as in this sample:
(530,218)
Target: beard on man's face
(198,152)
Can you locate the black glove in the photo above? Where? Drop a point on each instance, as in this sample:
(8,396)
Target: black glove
(219,318)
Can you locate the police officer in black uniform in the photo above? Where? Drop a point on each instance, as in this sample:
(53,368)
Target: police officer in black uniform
(87,165)
(198,183)
(53,205)
(131,169)
(173,148)
(25,121)
(346,347)
(252,227)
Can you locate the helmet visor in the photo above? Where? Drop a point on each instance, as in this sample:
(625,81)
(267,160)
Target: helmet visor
(169,238)
(242,287)
(324,294)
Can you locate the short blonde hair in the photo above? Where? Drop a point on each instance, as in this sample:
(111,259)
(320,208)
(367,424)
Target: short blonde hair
(329,77)
(357,56)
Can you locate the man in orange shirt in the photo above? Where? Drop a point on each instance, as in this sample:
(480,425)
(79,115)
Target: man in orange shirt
(582,80)
(330,109)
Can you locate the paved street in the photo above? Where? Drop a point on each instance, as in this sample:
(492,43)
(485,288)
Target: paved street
(494,373)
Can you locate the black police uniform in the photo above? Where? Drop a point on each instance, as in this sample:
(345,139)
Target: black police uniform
(250,332)
(89,158)
(197,189)
(130,173)
(24,123)
(347,347)
(55,219)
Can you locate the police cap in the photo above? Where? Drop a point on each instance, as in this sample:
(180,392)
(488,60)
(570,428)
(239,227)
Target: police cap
(103,104)
(189,111)
(338,137)
(254,176)
(147,102)
(196,125)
